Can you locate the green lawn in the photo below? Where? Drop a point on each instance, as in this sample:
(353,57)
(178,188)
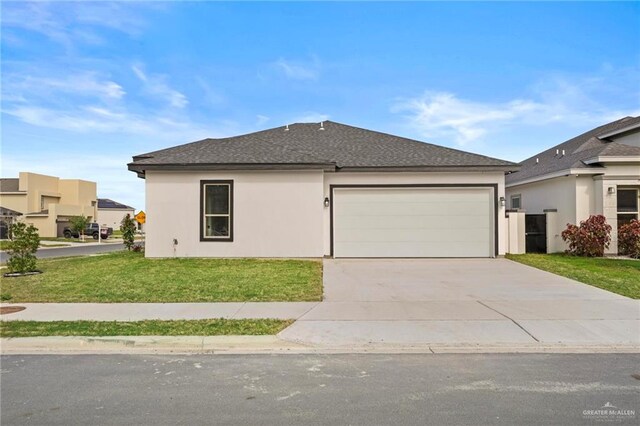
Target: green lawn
(210,327)
(616,275)
(129,277)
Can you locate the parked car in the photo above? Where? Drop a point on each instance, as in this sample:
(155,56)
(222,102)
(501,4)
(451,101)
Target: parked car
(92,229)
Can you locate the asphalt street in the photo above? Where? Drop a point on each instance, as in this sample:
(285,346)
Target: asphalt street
(321,389)
(71,251)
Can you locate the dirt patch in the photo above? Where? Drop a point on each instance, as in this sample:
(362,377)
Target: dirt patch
(11,309)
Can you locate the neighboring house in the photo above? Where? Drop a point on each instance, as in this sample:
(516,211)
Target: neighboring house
(48,202)
(7,218)
(111,213)
(597,172)
(322,189)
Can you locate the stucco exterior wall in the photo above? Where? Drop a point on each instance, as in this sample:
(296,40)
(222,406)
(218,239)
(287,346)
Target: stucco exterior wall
(558,193)
(113,217)
(414,178)
(14,201)
(276,214)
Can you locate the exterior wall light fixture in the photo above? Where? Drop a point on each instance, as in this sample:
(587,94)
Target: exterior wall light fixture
(611,190)
(326,201)
(502,201)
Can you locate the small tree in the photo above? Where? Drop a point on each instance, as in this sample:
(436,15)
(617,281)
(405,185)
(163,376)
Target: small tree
(23,248)
(79,224)
(590,239)
(629,239)
(128,228)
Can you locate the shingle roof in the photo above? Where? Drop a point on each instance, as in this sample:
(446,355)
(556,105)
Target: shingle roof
(106,203)
(9,185)
(577,150)
(337,146)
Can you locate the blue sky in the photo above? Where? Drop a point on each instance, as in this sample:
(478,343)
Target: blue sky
(86,85)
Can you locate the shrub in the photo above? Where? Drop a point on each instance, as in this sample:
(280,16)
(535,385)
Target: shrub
(590,239)
(137,248)
(23,248)
(128,228)
(629,239)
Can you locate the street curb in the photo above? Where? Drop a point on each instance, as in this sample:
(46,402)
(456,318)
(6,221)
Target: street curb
(268,345)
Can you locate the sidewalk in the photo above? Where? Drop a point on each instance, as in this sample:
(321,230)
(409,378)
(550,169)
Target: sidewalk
(341,327)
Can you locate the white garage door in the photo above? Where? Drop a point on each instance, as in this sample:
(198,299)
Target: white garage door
(413,222)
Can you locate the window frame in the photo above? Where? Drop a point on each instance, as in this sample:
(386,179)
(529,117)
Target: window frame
(625,213)
(519,197)
(203,215)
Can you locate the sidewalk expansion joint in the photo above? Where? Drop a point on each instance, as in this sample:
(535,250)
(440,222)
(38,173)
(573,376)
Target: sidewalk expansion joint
(511,319)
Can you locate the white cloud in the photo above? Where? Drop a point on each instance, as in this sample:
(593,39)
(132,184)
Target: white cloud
(299,70)
(156,85)
(446,116)
(77,84)
(72,23)
(261,119)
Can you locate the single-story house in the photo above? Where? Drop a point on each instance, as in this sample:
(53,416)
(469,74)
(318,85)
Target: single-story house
(597,172)
(111,213)
(322,189)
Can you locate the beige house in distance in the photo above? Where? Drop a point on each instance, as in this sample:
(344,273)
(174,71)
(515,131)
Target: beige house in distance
(596,173)
(48,202)
(111,213)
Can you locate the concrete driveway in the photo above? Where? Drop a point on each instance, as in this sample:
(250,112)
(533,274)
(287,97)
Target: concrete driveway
(461,301)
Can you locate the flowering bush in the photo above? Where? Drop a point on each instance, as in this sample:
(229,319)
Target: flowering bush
(629,239)
(590,239)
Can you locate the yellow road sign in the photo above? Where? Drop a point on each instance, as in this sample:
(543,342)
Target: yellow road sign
(140,217)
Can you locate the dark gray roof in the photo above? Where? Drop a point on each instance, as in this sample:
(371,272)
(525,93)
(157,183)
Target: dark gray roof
(9,184)
(337,146)
(577,150)
(8,212)
(106,203)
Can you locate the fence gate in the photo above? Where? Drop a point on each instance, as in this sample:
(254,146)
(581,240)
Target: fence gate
(535,229)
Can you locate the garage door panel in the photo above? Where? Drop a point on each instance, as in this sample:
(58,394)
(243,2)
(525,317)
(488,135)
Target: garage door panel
(415,209)
(453,221)
(413,222)
(403,249)
(414,235)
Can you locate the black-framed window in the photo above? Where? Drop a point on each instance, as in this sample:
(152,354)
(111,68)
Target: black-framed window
(516,201)
(216,210)
(627,202)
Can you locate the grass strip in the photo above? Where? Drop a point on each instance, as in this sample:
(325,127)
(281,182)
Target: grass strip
(619,276)
(208,327)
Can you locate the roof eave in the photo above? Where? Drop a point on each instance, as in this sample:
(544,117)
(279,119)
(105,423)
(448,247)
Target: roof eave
(142,168)
(627,129)
(552,175)
(612,159)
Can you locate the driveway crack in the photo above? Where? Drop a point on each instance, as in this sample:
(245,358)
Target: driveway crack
(509,318)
